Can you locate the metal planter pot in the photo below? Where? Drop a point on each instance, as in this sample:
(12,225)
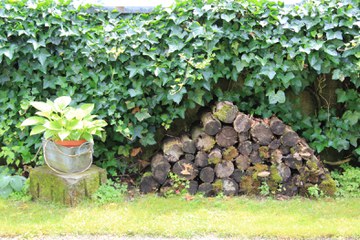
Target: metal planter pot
(68,160)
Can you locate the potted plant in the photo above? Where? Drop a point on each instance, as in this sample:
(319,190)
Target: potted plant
(68,133)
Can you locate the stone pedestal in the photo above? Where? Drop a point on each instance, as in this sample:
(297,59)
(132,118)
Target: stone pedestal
(70,189)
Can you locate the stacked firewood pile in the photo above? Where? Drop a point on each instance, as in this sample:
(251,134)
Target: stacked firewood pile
(235,153)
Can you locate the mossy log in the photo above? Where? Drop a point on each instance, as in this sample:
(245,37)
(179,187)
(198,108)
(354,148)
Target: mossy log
(207,174)
(215,156)
(69,189)
(227,137)
(225,111)
(211,125)
(224,169)
(173,149)
(160,168)
(230,153)
(242,123)
(204,142)
(261,133)
(242,162)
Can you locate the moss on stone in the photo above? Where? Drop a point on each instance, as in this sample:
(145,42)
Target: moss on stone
(274,174)
(222,113)
(328,186)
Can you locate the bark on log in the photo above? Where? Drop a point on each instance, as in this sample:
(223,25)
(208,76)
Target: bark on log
(160,168)
(207,174)
(224,169)
(211,124)
(185,169)
(215,156)
(261,133)
(277,126)
(201,159)
(206,189)
(289,138)
(237,175)
(242,123)
(242,162)
(230,153)
(204,142)
(227,137)
(225,111)
(230,187)
(245,148)
(172,149)
(148,184)
(188,145)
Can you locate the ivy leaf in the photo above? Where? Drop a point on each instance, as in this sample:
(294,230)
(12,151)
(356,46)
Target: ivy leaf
(17,182)
(197,29)
(330,35)
(338,74)
(148,139)
(278,97)
(135,92)
(42,55)
(142,115)
(228,17)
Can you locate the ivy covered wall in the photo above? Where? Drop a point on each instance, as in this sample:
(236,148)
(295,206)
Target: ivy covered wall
(143,71)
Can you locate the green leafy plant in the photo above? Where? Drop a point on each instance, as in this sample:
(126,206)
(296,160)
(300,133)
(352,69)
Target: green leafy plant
(347,181)
(178,186)
(10,184)
(264,189)
(23,195)
(315,192)
(110,192)
(58,121)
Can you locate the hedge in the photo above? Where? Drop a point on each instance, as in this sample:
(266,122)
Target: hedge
(143,71)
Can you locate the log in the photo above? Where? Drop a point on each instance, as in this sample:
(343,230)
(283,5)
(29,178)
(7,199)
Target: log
(230,153)
(242,123)
(206,189)
(201,159)
(274,144)
(226,137)
(204,142)
(189,157)
(237,175)
(244,136)
(185,169)
(215,156)
(290,187)
(291,162)
(242,162)
(284,150)
(188,145)
(196,132)
(245,148)
(193,187)
(230,187)
(276,156)
(148,183)
(224,169)
(225,111)
(160,168)
(172,148)
(289,138)
(261,133)
(207,174)
(277,127)
(255,157)
(68,189)
(211,124)
(264,152)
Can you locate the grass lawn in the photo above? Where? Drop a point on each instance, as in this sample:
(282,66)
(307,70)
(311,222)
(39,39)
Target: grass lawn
(176,217)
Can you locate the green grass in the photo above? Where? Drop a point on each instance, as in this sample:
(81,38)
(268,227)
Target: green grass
(175,217)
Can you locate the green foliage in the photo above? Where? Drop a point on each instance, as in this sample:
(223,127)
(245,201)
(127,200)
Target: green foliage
(264,189)
(347,181)
(314,191)
(143,71)
(58,121)
(23,195)
(178,185)
(110,192)
(10,184)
